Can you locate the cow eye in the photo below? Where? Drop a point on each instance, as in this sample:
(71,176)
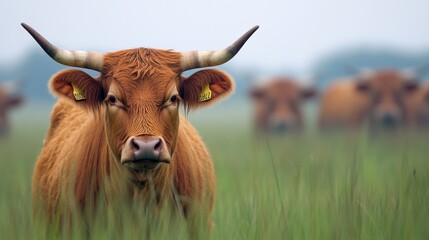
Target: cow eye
(112,99)
(174,99)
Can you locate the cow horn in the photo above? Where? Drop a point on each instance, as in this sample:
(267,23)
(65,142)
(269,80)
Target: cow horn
(199,59)
(84,59)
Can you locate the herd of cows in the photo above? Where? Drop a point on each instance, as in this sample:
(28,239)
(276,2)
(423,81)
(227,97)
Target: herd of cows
(386,99)
(121,135)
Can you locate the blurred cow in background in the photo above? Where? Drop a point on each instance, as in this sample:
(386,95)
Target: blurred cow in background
(277,105)
(378,98)
(9,98)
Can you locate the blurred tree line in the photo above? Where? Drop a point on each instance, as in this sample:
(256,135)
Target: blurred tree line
(35,70)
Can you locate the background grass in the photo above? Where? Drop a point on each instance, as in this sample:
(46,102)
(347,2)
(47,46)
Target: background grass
(301,186)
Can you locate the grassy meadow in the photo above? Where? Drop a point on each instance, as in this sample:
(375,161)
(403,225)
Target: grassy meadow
(301,186)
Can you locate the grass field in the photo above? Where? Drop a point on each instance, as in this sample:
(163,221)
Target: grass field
(306,186)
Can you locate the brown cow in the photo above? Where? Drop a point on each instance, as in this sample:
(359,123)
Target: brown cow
(277,105)
(374,97)
(121,134)
(9,98)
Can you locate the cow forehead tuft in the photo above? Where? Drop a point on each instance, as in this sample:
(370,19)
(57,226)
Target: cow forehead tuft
(143,60)
(138,65)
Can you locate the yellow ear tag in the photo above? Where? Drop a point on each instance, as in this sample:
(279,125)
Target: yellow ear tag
(78,94)
(205,95)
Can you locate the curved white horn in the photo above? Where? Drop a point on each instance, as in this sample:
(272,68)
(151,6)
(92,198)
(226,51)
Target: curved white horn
(84,59)
(198,59)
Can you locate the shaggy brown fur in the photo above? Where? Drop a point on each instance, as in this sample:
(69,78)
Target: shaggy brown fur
(87,141)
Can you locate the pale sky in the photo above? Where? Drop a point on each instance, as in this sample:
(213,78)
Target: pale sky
(293,34)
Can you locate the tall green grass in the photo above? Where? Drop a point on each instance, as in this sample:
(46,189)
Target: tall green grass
(301,186)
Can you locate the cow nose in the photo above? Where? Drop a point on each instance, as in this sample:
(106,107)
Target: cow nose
(146,149)
(282,126)
(388,120)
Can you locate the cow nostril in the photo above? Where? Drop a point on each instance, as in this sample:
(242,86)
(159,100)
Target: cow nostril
(388,120)
(282,126)
(158,145)
(134,145)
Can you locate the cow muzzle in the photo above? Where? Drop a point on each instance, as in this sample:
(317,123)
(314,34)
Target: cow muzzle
(282,125)
(388,118)
(143,153)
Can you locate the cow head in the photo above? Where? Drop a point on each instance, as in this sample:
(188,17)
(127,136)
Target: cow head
(387,91)
(9,98)
(139,92)
(277,105)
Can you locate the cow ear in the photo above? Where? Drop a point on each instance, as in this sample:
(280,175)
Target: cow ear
(257,93)
(363,86)
(78,87)
(14,101)
(205,87)
(308,92)
(411,86)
